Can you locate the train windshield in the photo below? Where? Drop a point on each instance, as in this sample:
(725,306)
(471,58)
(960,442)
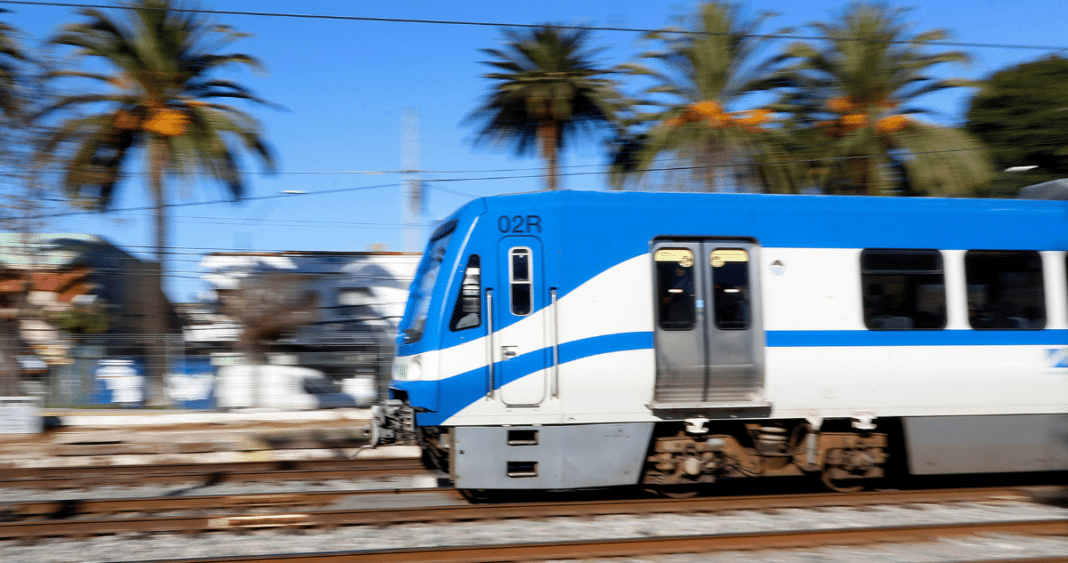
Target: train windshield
(423,286)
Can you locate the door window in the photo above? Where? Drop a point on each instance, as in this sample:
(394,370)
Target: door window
(675,288)
(730,289)
(520,281)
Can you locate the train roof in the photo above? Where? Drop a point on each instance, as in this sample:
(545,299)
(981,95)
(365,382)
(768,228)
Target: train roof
(815,221)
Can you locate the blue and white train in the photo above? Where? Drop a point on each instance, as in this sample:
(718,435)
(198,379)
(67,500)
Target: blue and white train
(563,340)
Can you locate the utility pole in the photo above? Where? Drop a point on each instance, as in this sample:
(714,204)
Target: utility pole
(413,187)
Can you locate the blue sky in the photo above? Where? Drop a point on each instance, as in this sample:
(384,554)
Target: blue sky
(345,86)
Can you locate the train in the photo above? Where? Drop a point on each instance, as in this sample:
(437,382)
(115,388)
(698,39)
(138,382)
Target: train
(572,340)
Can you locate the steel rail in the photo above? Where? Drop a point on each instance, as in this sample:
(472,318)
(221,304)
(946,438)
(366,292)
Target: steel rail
(665,545)
(81,476)
(82,507)
(404,515)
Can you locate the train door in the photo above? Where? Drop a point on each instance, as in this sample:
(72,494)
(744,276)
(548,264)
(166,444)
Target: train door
(518,345)
(709,335)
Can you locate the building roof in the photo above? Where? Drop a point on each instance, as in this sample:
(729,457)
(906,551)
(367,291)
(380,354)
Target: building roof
(1055,189)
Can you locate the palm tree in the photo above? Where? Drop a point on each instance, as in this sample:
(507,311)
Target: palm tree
(158,100)
(11,104)
(852,93)
(11,57)
(547,89)
(708,65)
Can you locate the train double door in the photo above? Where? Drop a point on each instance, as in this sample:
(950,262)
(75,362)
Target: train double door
(709,337)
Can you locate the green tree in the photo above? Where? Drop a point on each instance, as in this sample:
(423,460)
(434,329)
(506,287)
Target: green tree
(80,320)
(158,98)
(267,305)
(707,66)
(853,89)
(547,90)
(1021,115)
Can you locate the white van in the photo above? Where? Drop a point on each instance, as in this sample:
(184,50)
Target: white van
(278,387)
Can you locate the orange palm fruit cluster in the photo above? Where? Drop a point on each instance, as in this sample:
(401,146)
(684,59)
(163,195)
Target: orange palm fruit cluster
(711,113)
(892,123)
(167,122)
(853,119)
(752,120)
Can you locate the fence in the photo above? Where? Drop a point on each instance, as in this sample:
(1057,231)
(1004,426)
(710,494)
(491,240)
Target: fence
(352,373)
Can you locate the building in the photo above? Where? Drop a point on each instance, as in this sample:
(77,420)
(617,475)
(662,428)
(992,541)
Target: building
(71,299)
(64,273)
(332,311)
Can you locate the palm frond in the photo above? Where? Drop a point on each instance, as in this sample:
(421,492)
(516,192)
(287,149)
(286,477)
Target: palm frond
(713,56)
(855,88)
(163,53)
(548,91)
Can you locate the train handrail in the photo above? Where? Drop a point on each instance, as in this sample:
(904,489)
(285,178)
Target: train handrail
(554,389)
(489,343)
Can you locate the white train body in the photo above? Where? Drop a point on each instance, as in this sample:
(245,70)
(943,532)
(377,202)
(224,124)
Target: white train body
(566,340)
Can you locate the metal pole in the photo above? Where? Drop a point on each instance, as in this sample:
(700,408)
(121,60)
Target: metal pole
(413,204)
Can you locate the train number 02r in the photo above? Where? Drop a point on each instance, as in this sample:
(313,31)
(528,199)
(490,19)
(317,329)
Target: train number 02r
(519,224)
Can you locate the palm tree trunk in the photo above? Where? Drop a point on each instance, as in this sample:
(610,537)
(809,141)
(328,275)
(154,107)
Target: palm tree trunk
(548,133)
(711,164)
(157,321)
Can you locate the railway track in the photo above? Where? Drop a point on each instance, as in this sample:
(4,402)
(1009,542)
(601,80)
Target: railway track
(294,510)
(64,509)
(671,545)
(279,470)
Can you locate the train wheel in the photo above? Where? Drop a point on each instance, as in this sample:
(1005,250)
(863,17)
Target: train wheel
(677,491)
(429,459)
(840,485)
(476,496)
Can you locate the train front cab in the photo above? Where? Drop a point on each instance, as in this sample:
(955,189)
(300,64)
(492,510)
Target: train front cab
(503,385)
(477,380)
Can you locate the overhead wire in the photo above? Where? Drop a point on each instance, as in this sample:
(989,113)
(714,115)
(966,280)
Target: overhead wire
(432,181)
(473,23)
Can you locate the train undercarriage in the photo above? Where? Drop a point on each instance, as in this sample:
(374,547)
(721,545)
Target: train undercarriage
(683,457)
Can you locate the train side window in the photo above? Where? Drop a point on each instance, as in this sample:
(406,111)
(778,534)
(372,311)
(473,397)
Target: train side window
(1005,289)
(730,291)
(520,279)
(903,289)
(467,313)
(676,305)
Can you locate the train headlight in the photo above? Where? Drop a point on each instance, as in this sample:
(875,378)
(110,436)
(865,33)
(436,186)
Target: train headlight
(407,369)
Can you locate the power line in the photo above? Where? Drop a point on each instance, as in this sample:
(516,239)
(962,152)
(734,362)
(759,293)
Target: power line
(212,202)
(432,182)
(289,222)
(524,25)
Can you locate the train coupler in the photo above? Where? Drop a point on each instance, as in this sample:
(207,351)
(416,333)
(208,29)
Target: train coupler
(393,422)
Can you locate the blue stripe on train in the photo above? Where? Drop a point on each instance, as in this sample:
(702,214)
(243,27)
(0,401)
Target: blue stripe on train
(816,338)
(461,390)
